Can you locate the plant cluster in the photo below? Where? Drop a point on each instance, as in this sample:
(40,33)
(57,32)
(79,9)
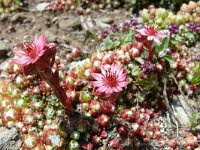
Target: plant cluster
(83,6)
(162,17)
(113,99)
(186,35)
(10,5)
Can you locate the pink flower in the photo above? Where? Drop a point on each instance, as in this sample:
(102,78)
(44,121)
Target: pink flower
(111,80)
(38,58)
(152,34)
(31,53)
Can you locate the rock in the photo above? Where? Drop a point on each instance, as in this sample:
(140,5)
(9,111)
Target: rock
(101,24)
(4,47)
(17,17)
(9,139)
(4,17)
(42,6)
(50,36)
(181,111)
(69,23)
(87,23)
(27,20)
(108,19)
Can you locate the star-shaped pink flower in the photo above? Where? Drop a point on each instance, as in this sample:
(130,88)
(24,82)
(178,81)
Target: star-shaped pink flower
(111,80)
(152,34)
(32,51)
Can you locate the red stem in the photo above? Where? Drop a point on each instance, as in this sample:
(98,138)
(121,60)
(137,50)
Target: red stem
(52,78)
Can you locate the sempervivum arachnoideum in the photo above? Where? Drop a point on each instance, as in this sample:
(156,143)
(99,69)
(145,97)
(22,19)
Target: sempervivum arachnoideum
(37,104)
(94,107)
(53,138)
(114,143)
(107,107)
(83,126)
(123,131)
(5,103)
(21,81)
(85,96)
(72,95)
(96,139)
(87,146)
(74,145)
(69,81)
(103,120)
(30,140)
(10,115)
(128,115)
(29,119)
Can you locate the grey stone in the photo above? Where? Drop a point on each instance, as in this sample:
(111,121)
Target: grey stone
(69,23)
(9,139)
(108,19)
(4,17)
(17,17)
(4,47)
(181,110)
(50,36)
(87,23)
(42,6)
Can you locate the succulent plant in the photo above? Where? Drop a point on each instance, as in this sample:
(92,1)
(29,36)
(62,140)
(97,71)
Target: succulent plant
(163,17)
(116,94)
(10,5)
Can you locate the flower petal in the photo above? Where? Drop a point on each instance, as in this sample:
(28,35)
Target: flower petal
(113,68)
(115,89)
(33,60)
(119,88)
(142,31)
(97,76)
(123,84)
(102,89)
(120,70)
(97,83)
(40,43)
(121,77)
(35,38)
(109,90)
(41,52)
(21,60)
(19,52)
(165,33)
(157,40)
(103,70)
(150,38)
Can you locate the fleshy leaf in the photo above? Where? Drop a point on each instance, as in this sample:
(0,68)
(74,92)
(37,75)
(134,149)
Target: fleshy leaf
(108,42)
(135,71)
(163,45)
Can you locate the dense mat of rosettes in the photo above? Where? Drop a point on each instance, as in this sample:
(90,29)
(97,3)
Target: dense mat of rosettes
(116,93)
(126,117)
(162,17)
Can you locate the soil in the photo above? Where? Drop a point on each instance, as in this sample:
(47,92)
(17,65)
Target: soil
(67,29)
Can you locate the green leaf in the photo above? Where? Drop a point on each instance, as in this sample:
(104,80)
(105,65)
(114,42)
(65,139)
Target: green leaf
(169,58)
(196,76)
(108,42)
(163,45)
(135,71)
(116,43)
(129,37)
(139,60)
(179,38)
